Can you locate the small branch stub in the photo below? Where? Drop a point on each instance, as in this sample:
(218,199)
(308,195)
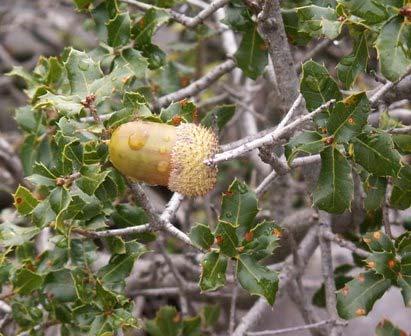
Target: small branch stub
(161,154)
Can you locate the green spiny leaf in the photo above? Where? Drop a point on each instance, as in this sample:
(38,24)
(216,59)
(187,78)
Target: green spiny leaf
(257,279)
(201,236)
(335,187)
(213,268)
(359,295)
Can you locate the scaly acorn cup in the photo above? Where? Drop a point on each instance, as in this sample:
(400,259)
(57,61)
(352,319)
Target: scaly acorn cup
(166,155)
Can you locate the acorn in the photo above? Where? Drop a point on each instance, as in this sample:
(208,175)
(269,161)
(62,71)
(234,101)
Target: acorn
(161,154)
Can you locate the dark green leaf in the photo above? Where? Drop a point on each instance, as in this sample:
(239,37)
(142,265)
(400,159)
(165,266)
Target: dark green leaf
(226,239)
(60,285)
(24,201)
(239,206)
(201,236)
(376,153)
(379,242)
(26,281)
(401,193)
(348,118)
(119,30)
(352,65)
(318,87)
(384,263)
(252,56)
(335,187)
(359,295)
(393,46)
(13,235)
(257,279)
(213,268)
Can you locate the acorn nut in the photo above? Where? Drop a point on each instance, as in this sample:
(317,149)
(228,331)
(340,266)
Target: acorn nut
(161,154)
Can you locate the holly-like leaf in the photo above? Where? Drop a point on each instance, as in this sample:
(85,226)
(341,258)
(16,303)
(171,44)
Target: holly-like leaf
(226,239)
(379,242)
(257,279)
(60,285)
(335,187)
(369,149)
(262,240)
(82,71)
(386,328)
(142,33)
(358,296)
(26,281)
(384,263)
(401,193)
(213,268)
(252,55)
(306,142)
(393,46)
(318,87)
(167,323)
(91,178)
(318,21)
(239,206)
(370,11)
(176,112)
(201,236)
(119,30)
(348,118)
(24,201)
(120,265)
(352,65)
(14,235)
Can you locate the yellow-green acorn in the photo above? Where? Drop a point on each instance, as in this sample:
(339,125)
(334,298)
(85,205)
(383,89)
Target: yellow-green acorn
(166,155)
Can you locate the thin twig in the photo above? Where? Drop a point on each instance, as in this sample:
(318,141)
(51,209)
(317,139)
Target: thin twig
(328,273)
(199,85)
(345,243)
(386,210)
(380,92)
(185,20)
(401,130)
(268,139)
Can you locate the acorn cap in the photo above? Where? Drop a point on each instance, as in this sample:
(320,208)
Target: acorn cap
(189,175)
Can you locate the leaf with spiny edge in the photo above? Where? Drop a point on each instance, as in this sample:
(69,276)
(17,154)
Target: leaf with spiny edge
(335,187)
(358,296)
(401,193)
(257,279)
(348,118)
(213,269)
(368,149)
(318,87)
(201,236)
